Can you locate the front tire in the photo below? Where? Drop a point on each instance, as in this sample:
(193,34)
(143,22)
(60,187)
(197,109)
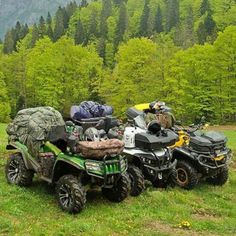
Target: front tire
(16,171)
(219,179)
(71,195)
(187,176)
(137,180)
(119,191)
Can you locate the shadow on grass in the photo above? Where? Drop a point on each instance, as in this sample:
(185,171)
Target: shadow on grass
(45,190)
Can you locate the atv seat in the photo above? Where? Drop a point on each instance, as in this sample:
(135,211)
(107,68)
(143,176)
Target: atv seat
(99,149)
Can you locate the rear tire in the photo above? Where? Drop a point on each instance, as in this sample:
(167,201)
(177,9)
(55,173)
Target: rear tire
(120,190)
(137,180)
(71,195)
(219,179)
(187,176)
(16,171)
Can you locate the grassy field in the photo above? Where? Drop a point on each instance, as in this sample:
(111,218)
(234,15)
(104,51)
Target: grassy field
(33,211)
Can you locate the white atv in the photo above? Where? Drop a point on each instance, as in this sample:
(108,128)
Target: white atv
(146,148)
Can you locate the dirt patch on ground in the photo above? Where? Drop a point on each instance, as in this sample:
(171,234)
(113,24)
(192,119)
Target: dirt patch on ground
(203,215)
(172,230)
(222,127)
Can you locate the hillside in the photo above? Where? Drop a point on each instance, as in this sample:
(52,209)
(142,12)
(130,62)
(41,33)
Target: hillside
(26,11)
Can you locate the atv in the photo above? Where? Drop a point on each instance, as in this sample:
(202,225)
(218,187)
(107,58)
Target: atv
(201,156)
(147,152)
(61,164)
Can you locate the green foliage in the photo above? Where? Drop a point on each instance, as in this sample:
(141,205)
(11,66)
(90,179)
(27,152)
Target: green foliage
(4,101)
(111,65)
(134,75)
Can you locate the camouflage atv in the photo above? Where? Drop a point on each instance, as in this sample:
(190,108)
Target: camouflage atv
(59,164)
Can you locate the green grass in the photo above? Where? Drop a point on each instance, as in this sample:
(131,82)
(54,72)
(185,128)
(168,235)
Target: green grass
(33,210)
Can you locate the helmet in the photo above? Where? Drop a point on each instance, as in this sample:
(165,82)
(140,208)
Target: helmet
(92,134)
(154,127)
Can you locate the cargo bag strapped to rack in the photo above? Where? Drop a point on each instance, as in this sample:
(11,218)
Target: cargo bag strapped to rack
(99,149)
(35,126)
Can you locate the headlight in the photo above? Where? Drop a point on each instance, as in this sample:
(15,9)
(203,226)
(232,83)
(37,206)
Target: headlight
(93,166)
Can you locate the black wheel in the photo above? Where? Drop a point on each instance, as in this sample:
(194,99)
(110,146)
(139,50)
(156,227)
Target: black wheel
(137,180)
(120,190)
(170,180)
(187,176)
(221,178)
(16,171)
(71,195)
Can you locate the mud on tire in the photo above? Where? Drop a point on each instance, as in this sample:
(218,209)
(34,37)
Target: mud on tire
(219,179)
(71,195)
(16,171)
(187,176)
(120,190)
(137,180)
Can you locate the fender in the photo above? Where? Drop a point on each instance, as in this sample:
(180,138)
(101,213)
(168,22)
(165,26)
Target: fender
(67,161)
(29,161)
(183,152)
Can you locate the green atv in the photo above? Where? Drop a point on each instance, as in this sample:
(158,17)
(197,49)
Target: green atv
(58,163)
(71,173)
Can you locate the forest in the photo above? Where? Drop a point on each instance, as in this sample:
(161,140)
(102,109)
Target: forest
(123,53)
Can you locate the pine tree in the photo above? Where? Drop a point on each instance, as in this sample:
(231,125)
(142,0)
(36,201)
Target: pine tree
(16,33)
(158,26)
(49,19)
(121,25)
(59,24)
(189,29)
(209,24)
(102,48)
(92,28)
(50,32)
(143,27)
(71,8)
(41,27)
(26,29)
(105,13)
(201,33)
(79,33)
(35,35)
(65,18)
(172,19)
(8,45)
(205,7)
